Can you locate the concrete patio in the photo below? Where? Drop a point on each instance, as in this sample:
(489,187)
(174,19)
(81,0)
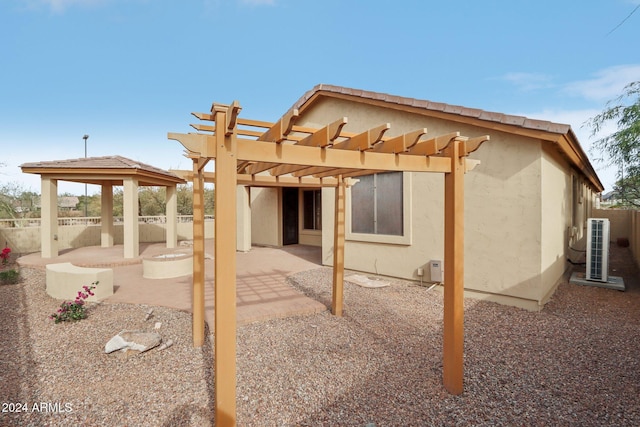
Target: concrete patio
(262,291)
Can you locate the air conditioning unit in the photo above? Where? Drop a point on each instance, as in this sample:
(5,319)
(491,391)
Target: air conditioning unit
(597,249)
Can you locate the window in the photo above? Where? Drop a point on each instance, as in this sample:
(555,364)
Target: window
(377,204)
(312,200)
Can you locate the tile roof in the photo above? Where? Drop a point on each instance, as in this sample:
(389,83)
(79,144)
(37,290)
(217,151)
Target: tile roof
(507,119)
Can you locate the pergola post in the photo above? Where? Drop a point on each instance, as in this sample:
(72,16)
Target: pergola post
(453,341)
(172,217)
(49,222)
(225,269)
(338,249)
(198,253)
(106,216)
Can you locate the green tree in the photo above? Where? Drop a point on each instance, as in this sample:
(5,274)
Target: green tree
(209,200)
(152,201)
(622,148)
(184,194)
(12,197)
(118,201)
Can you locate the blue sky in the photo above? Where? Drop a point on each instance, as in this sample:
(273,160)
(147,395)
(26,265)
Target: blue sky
(126,72)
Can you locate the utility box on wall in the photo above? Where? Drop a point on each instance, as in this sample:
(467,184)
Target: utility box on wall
(435,271)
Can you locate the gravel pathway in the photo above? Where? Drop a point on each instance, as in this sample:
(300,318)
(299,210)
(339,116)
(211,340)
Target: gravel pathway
(574,363)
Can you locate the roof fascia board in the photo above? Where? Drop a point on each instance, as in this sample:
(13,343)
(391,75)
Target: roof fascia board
(90,176)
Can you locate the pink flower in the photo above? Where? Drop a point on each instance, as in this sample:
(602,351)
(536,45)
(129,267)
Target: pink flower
(5,255)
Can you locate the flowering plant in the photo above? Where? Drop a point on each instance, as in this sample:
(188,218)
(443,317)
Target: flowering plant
(8,275)
(5,254)
(70,311)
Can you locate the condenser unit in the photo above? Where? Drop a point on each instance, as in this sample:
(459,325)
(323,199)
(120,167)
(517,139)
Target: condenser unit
(597,249)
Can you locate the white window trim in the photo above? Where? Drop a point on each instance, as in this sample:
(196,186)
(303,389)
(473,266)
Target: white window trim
(405,239)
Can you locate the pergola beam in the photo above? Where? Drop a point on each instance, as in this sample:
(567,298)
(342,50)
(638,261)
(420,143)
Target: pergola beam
(472,144)
(258,167)
(268,152)
(309,170)
(400,143)
(364,140)
(333,172)
(196,143)
(324,136)
(264,180)
(285,169)
(279,131)
(434,145)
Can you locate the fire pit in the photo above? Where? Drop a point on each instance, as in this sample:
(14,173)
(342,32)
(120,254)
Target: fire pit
(166,266)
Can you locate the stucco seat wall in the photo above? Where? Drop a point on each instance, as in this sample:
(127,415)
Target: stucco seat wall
(64,280)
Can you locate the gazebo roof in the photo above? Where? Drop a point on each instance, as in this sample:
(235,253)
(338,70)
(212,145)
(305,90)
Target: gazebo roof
(101,170)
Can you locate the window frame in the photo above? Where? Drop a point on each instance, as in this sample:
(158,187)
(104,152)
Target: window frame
(404,239)
(316,198)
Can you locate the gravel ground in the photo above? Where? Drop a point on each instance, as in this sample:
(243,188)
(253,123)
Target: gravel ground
(574,363)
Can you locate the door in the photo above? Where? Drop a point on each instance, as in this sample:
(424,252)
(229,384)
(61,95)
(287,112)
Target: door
(289,216)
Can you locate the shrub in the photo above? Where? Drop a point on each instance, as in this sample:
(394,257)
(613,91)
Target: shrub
(70,311)
(9,277)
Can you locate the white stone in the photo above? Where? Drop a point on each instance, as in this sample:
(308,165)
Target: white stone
(133,340)
(365,282)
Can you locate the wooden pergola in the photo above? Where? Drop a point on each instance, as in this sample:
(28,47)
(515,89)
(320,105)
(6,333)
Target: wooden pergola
(259,153)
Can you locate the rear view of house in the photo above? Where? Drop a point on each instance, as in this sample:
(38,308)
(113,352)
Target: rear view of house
(526,203)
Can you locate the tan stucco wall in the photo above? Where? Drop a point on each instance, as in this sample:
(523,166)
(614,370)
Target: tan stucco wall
(517,208)
(502,218)
(556,221)
(266,228)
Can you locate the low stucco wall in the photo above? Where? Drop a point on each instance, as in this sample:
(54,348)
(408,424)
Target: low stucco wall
(635,235)
(23,240)
(625,224)
(619,222)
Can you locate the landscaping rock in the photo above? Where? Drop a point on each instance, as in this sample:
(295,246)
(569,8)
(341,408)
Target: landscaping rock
(140,341)
(365,282)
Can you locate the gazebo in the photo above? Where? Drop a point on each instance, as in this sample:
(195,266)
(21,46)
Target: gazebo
(258,153)
(107,172)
